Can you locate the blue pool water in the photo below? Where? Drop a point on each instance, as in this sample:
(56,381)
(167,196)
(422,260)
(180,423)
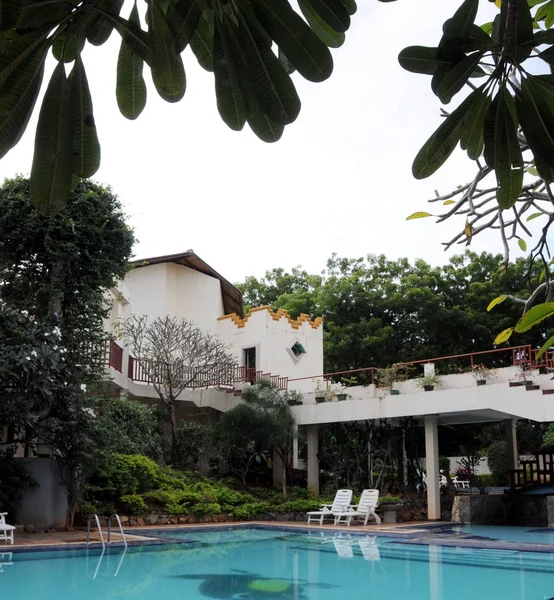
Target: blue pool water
(271,565)
(528,535)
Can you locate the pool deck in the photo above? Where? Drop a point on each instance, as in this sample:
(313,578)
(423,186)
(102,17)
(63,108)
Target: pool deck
(78,536)
(425,533)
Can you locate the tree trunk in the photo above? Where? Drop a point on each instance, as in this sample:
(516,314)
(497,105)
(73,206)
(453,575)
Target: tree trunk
(174,431)
(70,515)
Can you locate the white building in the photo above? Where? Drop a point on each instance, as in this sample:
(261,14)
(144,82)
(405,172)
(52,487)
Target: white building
(267,344)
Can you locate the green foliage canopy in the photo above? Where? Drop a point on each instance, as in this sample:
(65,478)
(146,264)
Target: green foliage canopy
(378,312)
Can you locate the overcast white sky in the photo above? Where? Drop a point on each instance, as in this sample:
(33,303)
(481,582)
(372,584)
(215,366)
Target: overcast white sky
(338,181)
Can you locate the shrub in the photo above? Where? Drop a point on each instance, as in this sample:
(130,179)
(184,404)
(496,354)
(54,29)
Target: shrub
(250,510)
(174,502)
(268,494)
(206,508)
(298,493)
(133,504)
(485,481)
(298,506)
(497,455)
(135,474)
(384,500)
(228,498)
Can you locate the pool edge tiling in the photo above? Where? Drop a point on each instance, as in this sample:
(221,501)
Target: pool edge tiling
(420,535)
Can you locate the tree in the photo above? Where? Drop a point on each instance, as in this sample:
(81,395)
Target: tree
(249,433)
(176,355)
(194,439)
(126,426)
(70,432)
(496,54)
(56,272)
(32,372)
(59,268)
(378,312)
(253,84)
(241,438)
(266,399)
(231,39)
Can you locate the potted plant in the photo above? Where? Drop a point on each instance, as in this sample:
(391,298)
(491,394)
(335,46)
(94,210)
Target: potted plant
(390,505)
(319,392)
(386,378)
(323,394)
(293,398)
(346,382)
(481,374)
(524,377)
(428,382)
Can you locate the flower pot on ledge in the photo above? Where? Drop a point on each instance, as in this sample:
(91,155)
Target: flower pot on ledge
(395,392)
(481,382)
(389,512)
(342,397)
(319,399)
(428,388)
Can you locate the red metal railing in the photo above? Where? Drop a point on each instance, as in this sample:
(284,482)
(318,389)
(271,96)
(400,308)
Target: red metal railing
(520,355)
(115,359)
(201,376)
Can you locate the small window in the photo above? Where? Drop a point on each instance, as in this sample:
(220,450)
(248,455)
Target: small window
(298,349)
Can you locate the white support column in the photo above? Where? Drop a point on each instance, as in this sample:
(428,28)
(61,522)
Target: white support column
(313,461)
(511,440)
(432,464)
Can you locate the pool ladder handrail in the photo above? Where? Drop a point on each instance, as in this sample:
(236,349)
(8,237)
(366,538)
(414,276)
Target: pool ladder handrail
(99,527)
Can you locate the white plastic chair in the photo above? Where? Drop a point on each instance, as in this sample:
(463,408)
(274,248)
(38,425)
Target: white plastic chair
(369,500)
(332,511)
(422,486)
(6,531)
(461,485)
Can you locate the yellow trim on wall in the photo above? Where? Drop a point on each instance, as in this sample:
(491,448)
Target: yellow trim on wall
(281,313)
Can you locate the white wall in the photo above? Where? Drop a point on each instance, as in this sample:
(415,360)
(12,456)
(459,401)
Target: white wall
(193,296)
(271,334)
(47,503)
(169,289)
(147,287)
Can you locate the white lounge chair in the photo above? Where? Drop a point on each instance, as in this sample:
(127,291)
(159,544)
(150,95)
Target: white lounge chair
(422,486)
(461,484)
(6,531)
(332,511)
(369,500)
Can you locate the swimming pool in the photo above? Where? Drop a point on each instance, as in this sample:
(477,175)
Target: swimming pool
(252,564)
(528,535)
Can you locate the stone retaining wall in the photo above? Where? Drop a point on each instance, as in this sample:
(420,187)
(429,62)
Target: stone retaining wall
(504,509)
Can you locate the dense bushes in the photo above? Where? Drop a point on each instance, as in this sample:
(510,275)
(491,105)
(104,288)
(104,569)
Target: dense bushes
(135,485)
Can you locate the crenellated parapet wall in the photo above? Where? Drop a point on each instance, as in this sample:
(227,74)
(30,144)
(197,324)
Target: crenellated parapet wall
(278,315)
(282,345)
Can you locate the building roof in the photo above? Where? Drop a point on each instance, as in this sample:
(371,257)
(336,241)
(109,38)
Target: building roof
(232,297)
